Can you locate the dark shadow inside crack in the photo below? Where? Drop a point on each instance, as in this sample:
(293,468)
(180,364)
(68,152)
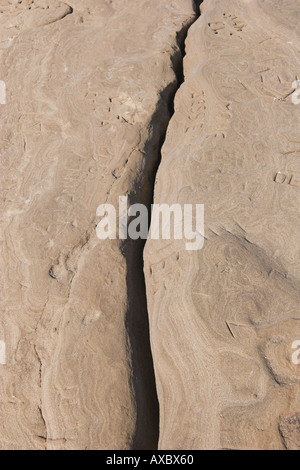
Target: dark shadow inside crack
(137,321)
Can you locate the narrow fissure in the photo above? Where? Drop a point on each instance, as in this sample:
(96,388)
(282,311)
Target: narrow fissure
(137,321)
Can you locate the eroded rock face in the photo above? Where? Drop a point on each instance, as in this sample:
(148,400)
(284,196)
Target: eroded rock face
(88,86)
(19,15)
(223,319)
(86,89)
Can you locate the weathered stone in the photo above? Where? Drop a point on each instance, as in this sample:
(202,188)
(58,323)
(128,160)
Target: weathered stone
(223,319)
(88,88)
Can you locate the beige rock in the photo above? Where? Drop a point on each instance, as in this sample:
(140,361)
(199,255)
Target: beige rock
(223,320)
(88,87)
(86,90)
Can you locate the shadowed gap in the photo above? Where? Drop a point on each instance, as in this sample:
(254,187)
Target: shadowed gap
(137,321)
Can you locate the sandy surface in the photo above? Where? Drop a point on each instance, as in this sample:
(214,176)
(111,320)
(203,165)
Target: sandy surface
(223,320)
(86,96)
(86,109)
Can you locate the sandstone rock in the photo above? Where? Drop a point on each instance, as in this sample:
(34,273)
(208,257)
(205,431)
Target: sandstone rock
(86,94)
(223,319)
(88,87)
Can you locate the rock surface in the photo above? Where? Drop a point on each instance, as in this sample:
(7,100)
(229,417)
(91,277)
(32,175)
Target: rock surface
(86,94)
(88,88)
(223,319)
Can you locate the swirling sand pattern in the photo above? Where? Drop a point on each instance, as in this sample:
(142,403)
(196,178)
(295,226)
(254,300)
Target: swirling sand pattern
(86,108)
(223,320)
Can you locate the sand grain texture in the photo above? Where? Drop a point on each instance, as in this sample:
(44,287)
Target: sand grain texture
(86,95)
(88,87)
(223,319)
